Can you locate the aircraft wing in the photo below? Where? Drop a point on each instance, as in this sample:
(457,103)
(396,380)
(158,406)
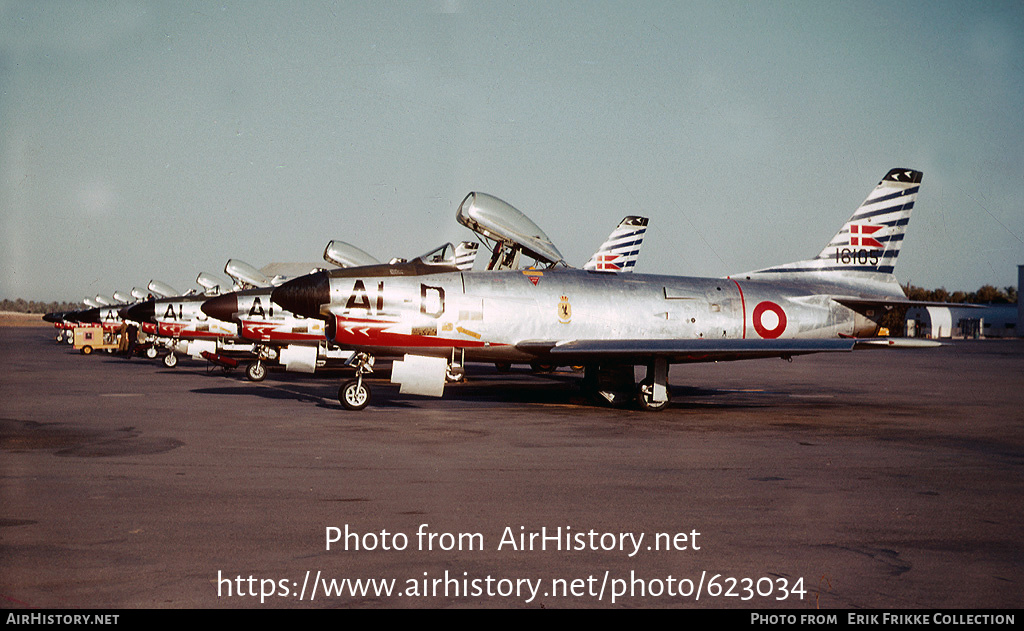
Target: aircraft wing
(678,351)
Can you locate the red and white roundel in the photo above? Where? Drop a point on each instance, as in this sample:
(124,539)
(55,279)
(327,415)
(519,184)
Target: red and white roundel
(769,320)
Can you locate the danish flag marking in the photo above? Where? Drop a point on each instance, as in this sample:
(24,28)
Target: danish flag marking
(862,240)
(606,263)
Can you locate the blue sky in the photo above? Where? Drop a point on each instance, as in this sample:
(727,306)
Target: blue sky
(146,140)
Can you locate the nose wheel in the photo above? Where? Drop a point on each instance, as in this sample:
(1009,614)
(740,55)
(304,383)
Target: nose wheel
(256,371)
(354,394)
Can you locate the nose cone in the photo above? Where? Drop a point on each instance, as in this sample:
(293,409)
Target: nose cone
(142,312)
(56,316)
(90,315)
(221,308)
(304,295)
(72,316)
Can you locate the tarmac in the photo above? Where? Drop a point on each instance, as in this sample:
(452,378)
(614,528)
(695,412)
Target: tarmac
(876,479)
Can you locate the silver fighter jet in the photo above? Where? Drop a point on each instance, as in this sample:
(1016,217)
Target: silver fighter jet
(426,310)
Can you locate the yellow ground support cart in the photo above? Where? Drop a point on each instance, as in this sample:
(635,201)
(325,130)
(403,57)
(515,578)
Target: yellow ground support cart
(94,338)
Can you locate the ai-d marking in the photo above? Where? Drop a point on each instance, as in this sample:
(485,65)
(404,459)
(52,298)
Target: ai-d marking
(257,309)
(170,315)
(769,320)
(431,299)
(360,300)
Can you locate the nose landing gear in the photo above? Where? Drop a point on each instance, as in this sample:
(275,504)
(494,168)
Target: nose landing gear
(354,394)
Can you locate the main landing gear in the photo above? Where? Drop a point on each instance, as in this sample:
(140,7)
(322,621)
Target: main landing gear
(456,370)
(615,385)
(354,394)
(652,394)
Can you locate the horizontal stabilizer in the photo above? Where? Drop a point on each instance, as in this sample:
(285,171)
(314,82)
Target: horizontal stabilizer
(854,303)
(895,342)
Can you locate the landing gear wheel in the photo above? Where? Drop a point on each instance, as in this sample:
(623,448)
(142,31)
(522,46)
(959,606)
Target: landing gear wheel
(256,371)
(535,367)
(170,360)
(455,374)
(354,395)
(644,398)
(151,353)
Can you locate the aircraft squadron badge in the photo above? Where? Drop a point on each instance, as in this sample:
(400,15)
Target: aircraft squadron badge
(564,310)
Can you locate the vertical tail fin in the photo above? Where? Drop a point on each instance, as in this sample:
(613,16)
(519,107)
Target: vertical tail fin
(869,242)
(465,255)
(619,253)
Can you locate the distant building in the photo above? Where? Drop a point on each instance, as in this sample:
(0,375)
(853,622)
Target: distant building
(963,322)
(969,322)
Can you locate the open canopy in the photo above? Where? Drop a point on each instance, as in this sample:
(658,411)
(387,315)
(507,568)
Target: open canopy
(498,221)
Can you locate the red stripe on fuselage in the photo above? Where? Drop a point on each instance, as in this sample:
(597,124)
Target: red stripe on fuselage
(371,333)
(165,329)
(743,304)
(266,333)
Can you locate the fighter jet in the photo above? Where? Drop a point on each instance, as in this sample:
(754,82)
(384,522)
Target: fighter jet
(300,344)
(178,323)
(64,322)
(102,311)
(297,342)
(426,310)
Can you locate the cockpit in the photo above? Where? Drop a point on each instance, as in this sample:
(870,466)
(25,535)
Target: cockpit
(509,232)
(443,255)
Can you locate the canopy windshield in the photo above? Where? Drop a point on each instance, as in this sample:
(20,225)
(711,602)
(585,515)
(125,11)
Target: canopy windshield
(443,255)
(497,220)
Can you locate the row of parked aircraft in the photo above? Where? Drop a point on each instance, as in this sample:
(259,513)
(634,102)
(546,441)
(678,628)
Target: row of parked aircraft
(434,313)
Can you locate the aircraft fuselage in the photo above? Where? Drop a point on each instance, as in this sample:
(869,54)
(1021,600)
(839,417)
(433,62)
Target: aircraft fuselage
(489,313)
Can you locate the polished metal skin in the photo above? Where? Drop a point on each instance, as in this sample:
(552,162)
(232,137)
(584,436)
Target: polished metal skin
(562,316)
